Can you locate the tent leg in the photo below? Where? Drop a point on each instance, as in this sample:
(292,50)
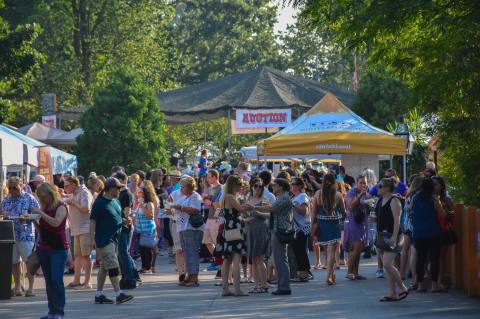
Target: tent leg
(229,136)
(391,161)
(1,171)
(405,168)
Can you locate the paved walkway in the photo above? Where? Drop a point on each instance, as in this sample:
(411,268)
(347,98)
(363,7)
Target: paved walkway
(160,297)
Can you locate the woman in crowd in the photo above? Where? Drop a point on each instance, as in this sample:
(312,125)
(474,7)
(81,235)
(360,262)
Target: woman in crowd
(145,228)
(157,179)
(426,211)
(447,224)
(190,235)
(232,240)
(328,209)
(388,212)
(340,252)
(408,258)
(52,247)
(302,227)
(355,237)
(258,236)
(156,202)
(94,185)
(282,232)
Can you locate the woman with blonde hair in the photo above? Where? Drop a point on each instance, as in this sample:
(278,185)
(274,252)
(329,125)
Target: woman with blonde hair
(53,246)
(94,185)
(190,232)
(232,241)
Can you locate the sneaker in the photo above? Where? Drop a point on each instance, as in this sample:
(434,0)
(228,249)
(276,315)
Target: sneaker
(219,274)
(212,267)
(102,299)
(123,298)
(379,273)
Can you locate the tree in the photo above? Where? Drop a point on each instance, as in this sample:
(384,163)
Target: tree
(381,99)
(310,52)
(433,47)
(85,41)
(19,61)
(123,127)
(217,38)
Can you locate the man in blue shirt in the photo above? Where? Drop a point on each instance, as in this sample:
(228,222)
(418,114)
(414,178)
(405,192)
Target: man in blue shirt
(16,207)
(401,189)
(203,163)
(105,226)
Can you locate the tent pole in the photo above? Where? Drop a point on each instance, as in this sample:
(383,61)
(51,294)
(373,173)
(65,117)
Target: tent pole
(405,168)
(229,136)
(391,161)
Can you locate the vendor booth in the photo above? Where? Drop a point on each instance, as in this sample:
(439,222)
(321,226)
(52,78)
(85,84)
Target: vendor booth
(332,128)
(23,155)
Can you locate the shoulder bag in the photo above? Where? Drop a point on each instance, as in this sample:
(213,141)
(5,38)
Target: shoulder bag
(196,220)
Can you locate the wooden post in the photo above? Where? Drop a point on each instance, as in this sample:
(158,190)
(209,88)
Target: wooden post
(470,250)
(456,259)
(1,171)
(229,136)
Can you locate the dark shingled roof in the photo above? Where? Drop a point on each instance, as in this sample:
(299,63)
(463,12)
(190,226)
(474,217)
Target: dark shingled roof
(261,88)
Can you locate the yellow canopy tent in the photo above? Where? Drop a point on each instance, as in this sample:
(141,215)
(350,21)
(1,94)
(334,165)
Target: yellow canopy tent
(331,128)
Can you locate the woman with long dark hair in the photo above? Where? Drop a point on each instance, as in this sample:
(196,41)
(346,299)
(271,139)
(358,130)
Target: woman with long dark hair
(426,210)
(145,226)
(302,227)
(328,209)
(446,223)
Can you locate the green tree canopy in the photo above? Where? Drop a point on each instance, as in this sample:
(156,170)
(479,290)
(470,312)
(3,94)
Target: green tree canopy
(381,99)
(433,47)
(123,127)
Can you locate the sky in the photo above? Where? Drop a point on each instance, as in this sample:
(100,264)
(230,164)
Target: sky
(285,17)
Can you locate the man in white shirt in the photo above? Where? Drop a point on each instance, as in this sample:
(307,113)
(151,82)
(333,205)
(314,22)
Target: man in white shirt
(79,205)
(266,178)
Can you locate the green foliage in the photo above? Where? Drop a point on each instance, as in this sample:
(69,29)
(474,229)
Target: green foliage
(18,63)
(381,99)
(188,140)
(310,52)
(216,38)
(123,127)
(433,47)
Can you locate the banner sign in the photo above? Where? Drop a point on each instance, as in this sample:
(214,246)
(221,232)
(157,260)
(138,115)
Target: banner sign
(239,131)
(45,163)
(263,118)
(49,120)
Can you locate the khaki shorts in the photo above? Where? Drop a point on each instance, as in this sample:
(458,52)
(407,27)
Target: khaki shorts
(108,256)
(21,251)
(82,245)
(211,231)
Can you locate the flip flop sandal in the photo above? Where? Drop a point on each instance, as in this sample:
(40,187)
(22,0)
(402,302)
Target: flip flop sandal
(360,277)
(351,277)
(403,295)
(388,299)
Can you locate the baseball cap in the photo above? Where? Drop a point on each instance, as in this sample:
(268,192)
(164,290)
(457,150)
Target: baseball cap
(39,179)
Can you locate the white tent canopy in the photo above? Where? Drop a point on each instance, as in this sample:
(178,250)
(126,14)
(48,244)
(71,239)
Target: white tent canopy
(250,154)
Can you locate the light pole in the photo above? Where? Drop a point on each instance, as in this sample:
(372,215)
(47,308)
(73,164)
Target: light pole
(402,131)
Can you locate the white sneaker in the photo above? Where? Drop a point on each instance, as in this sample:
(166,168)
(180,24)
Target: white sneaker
(379,273)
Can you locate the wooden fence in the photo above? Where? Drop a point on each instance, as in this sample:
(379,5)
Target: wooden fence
(463,262)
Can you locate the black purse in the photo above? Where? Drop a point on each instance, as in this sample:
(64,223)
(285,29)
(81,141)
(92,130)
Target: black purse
(196,220)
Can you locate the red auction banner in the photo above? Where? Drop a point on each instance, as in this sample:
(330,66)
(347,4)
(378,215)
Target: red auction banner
(263,118)
(45,165)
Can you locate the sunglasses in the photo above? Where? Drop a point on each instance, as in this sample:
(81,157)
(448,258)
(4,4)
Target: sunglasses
(257,186)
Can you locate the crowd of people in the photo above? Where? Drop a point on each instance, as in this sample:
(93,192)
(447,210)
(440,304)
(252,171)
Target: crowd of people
(242,222)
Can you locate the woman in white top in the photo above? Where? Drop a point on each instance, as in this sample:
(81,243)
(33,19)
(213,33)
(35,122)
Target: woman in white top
(190,236)
(302,226)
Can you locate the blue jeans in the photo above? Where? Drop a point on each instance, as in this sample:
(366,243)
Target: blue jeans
(127,265)
(53,265)
(191,241)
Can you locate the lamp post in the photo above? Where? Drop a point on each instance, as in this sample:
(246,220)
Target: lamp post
(402,131)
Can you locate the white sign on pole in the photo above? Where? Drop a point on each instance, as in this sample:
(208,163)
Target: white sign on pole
(49,120)
(263,118)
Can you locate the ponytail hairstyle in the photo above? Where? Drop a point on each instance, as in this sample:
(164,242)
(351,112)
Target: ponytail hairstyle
(329,193)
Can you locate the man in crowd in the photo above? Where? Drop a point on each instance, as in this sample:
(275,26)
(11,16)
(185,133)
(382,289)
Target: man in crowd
(15,207)
(127,265)
(80,202)
(266,178)
(174,180)
(203,163)
(36,181)
(211,227)
(347,179)
(105,227)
